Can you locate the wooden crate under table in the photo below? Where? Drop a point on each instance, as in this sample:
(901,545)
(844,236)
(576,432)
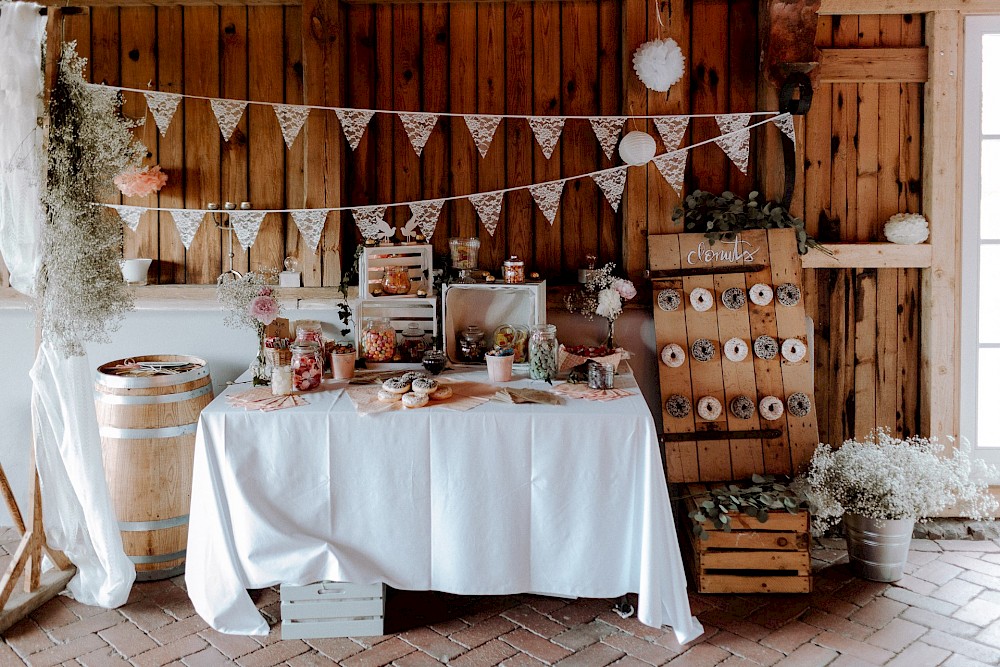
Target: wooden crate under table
(754,557)
(332,609)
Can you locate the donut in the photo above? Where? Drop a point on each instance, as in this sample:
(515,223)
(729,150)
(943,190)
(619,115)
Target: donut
(761,294)
(423,385)
(668,300)
(410,376)
(709,408)
(388,396)
(702,349)
(736,349)
(799,404)
(793,350)
(441,393)
(677,406)
(411,400)
(771,408)
(672,355)
(742,407)
(396,385)
(734,298)
(765,347)
(701,299)
(787,294)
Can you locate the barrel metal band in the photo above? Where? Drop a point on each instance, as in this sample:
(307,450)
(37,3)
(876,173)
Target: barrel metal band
(144,433)
(114,399)
(137,526)
(160,558)
(155,575)
(126,382)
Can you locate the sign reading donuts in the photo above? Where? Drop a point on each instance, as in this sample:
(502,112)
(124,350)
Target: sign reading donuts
(737,251)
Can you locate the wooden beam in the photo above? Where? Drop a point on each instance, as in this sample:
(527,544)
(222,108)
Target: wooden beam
(869,256)
(160,3)
(908,6)
(870,65)
(21,604)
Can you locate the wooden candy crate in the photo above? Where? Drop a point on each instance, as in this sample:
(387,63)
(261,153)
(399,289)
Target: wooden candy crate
(332,609)
(488,305)
(418,259)
(400,312)
(755,557)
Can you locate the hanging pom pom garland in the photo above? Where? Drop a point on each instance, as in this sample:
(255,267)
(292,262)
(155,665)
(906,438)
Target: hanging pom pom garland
(637,148)
(659,64)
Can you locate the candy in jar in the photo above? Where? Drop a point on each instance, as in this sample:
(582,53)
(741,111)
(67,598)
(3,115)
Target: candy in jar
(413,343)
(281,380)
(543,361)
(378,339)
(307,367)
(396,280)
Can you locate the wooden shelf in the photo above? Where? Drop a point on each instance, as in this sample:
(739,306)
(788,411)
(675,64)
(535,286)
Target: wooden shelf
(869,256)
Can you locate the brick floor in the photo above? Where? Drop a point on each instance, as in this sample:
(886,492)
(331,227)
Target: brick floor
(945,611)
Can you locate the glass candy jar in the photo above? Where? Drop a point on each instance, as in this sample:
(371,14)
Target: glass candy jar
(307,366)
(308,331)
(470,344)
(378,339)
(543,360)
(395,280)
(413,343)
(464,253)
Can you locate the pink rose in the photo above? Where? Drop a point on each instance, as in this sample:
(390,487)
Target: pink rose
(265,291)
(140,183)
(264,309)
(625,288)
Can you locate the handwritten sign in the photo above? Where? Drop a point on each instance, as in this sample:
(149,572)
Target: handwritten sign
(736,251)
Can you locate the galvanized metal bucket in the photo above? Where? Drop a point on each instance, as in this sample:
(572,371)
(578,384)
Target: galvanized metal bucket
(878,549)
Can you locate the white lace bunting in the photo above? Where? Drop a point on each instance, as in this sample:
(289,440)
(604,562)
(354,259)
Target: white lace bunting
(482,129)
(547,130)
(310,224)
(129,214)
(612,184)
(785,123)
(671,166)
(187,223)
(671,129)
(354,122)
(228,114)
(607,131)
(163,106)
(109,95)
(488,207)
(547,196)
(424,215)
(246,224)
(735,139)
(418,128)
(291,118)
(371,222)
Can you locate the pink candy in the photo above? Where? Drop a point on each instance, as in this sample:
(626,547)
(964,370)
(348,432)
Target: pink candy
(378,345)
(306,373)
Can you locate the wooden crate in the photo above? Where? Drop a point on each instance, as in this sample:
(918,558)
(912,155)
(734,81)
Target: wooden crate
(488,305)
(402,311)
(332,609)
(418,259)
(754,557)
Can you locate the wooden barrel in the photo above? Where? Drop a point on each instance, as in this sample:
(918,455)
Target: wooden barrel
(148,426)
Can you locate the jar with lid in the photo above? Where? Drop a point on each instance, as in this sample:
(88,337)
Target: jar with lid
(378,339)
(308,331)
(413,343)
(395,280)
(471,345)
(464,252)
(513,270)
(543,360)
(307,366)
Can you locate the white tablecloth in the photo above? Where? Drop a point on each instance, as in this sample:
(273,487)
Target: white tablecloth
(502,499)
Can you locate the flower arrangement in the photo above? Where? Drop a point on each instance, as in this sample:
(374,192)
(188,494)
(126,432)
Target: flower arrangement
(603,294)
(886,478)
(251,303)
(141,182)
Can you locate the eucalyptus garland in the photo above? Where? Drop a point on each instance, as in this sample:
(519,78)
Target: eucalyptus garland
(81,295)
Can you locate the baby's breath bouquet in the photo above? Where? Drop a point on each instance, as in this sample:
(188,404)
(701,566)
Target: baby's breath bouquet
(603,294)
(251,302)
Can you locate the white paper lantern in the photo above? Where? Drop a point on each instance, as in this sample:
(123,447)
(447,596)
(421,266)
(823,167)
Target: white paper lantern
(637,148)
(907,229)
(659,64)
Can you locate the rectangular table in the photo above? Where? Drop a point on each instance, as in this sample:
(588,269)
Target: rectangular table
(502,499)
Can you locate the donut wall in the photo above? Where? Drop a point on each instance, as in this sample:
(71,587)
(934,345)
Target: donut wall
(736,377)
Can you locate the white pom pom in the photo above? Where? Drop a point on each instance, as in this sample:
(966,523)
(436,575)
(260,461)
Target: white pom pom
(907,229)
(637,148)
(659,64)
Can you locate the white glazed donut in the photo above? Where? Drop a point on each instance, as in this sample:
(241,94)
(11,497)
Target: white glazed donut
(701,299)
(388,396)
(672,355)
(709,408)
(736,349)
(793,350)
(761,294)
(442,393)
(412,400)
(410,376)
(770,408)
(396,385)
(424,385)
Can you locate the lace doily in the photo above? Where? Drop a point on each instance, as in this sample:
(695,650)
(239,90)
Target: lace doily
(246,224)
(371,221)
(291,118)
(130,215)
(547,196)
(310,225)
(187,223)
(353,122)
(671,166)
(163,106)
(785,123)
(547,132)
(227,115)
(418,128)
(735,139)
(488,207)
(482,129)
(671,129)
(607,131)
(425,215)
(612,184)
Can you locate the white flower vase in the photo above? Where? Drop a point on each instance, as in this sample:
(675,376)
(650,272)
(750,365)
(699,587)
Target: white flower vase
(878,549)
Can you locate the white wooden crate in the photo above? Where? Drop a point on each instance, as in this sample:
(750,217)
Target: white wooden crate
(488,305)
(401,311)
(332,609)
(418,259)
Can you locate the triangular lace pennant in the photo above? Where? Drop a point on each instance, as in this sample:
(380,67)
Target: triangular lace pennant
(130,215)
(547,196)
(482,129)
(246,224)
(735,139)
(671,166)
(162,106)
(547,130)
(187,223)
(612,184)
(311,223)
(785,123)
(671,129)
(371,221)
(607,131)
(418,128)
(291,118)
(227,115)
(354,122)
(488,207)
(424,215)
